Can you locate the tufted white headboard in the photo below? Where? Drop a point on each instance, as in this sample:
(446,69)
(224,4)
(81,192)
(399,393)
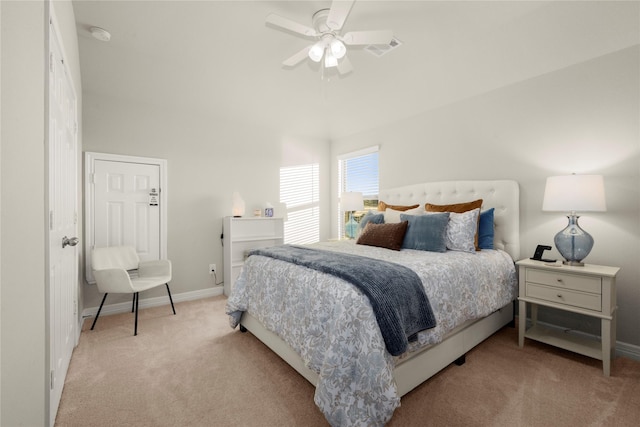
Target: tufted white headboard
(502,195)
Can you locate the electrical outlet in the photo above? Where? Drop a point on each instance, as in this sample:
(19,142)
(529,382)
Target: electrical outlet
(212,269)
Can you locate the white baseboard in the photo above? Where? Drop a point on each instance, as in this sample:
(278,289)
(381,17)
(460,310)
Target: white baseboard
(125,307)
(628,350)
(622,348)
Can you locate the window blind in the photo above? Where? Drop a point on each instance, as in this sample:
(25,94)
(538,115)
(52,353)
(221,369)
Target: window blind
(299,190)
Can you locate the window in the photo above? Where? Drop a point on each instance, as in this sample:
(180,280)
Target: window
(358,171)
(299,190)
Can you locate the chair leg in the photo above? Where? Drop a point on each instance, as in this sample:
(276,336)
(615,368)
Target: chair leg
(98,313)
(133,302)
(170,299)
(136,297)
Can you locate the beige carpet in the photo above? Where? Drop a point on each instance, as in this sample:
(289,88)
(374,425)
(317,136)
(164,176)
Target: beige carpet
(193,370)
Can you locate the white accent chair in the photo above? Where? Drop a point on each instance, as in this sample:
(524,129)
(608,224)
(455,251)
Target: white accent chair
(115,268)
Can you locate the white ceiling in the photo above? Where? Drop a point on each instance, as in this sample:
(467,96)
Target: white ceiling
(218,59)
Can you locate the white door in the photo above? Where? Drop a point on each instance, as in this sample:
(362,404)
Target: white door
(127,204)
(63,208)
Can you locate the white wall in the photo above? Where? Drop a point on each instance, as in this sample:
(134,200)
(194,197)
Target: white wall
(0,216)
(207,160)
(23,214)
(24,347)
(583,119)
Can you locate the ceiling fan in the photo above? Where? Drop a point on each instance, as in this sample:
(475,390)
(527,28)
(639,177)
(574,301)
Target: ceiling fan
(330,45)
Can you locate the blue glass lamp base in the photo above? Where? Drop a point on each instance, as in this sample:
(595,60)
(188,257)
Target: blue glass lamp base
(351,228)
(573,243)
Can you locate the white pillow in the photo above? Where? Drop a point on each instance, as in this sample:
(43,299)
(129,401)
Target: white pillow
(392,216)
(461,231)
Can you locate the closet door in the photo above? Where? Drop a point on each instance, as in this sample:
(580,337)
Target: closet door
(63,216)
(127,204)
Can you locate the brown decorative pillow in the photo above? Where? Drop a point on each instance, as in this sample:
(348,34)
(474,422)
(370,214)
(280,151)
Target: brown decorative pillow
(458,208)
(382,206)
(389,236)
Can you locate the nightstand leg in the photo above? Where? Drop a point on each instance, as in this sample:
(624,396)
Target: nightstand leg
(614,337)
(522,322)
(606,346)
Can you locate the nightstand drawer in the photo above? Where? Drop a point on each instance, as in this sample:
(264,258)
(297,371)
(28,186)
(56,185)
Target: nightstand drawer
(589,301)
(563,280)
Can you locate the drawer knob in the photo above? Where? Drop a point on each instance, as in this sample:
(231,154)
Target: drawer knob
(559,295)
(559,280)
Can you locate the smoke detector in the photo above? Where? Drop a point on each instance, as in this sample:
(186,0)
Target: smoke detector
(100,34)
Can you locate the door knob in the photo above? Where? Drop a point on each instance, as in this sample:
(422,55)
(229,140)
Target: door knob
(69,241)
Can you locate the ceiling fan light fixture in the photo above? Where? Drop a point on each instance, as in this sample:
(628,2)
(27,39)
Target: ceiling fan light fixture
(329,42)
(316,51)
(338,48)
(330,60)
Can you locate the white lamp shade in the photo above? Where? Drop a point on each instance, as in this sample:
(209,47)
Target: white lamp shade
(352,201)
(574,193)
(316,51)
(338,48)
(330,60)
(237,204)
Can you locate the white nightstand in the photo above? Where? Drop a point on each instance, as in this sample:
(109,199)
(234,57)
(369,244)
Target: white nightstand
(588,290)
(241,235)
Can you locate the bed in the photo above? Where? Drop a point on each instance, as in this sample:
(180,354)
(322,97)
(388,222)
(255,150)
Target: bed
(325,328)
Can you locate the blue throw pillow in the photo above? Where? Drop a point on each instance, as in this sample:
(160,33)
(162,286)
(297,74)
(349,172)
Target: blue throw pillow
(372,218)
(426,232)
(485,229)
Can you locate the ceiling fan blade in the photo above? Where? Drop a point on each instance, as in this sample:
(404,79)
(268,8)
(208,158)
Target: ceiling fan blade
(367,37)
(338,13)
(344,66)
(297,58)
(288,24)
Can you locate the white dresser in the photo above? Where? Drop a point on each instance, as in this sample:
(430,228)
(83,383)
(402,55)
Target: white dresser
(589,290)
(241,235)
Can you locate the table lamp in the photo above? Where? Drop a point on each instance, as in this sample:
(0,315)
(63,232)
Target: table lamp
(237,205)
(574,193)
(351,201)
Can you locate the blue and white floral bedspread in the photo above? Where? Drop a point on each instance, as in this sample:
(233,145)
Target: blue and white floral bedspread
(331,324)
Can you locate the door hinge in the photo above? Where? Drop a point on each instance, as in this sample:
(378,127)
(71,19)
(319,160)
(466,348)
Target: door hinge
(92,178)
(53,378)
(50,220)
(51,67)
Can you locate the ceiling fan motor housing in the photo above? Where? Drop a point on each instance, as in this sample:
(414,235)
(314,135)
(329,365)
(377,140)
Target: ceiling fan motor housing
(319,21)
